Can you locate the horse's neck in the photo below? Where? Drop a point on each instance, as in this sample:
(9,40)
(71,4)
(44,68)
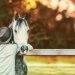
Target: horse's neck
(11,28)
(11,24)
(12,40)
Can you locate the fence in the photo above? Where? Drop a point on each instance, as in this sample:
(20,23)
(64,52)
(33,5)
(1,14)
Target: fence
(51,52)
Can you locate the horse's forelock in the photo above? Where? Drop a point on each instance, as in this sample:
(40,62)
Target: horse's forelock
(20,20)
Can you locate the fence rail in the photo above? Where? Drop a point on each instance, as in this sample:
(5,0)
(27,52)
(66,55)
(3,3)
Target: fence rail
(51,52)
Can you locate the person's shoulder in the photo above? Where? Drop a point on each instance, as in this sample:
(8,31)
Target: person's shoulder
(9,45)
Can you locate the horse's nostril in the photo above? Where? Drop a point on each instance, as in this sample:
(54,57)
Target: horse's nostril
(23,48)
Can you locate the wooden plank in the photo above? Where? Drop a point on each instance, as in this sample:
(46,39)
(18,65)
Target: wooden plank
(51,52)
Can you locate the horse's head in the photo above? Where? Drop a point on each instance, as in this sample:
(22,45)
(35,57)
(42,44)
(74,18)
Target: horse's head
(20,30)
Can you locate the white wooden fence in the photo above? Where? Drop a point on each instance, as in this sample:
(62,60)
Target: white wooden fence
(51,52)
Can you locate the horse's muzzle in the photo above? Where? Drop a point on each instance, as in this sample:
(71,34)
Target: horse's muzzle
(24,49)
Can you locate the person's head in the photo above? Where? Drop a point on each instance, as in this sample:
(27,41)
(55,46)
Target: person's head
(5,35)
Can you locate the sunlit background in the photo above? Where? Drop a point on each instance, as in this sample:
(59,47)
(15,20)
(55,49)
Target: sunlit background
(52,25)
(52,22)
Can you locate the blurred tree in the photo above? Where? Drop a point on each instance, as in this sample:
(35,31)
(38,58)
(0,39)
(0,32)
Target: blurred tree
(50,26)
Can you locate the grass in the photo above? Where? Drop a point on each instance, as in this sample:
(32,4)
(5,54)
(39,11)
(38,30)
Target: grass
(38,68)
(51,65)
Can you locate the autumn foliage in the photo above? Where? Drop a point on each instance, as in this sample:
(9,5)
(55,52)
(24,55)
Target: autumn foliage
(52,25)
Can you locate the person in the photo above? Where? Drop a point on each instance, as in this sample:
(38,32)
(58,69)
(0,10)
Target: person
(7,52)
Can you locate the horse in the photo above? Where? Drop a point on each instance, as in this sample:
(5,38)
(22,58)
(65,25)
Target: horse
(20,31)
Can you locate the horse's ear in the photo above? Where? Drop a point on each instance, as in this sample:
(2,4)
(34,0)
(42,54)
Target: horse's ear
(24,16)
(16,16)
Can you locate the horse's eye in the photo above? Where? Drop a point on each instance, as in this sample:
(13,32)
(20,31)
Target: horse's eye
(15,31)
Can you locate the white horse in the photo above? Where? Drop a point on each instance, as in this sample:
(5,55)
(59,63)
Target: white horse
(20,29)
